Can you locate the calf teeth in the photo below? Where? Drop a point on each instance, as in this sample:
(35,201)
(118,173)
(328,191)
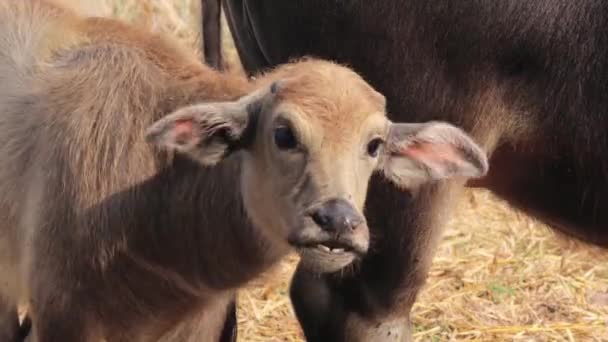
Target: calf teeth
(323,248)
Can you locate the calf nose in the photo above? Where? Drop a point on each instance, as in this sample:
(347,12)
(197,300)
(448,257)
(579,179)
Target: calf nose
(337,215)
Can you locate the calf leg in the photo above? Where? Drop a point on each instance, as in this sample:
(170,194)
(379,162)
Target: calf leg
(374,303)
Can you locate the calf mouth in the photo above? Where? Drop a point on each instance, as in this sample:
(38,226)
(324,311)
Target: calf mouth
(318,259)
(328,255)
(331,247)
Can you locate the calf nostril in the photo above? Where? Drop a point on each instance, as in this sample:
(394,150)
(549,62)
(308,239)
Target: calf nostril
(320,219)
(353,223)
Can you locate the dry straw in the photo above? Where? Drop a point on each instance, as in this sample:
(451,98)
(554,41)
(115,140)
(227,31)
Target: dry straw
(497,275)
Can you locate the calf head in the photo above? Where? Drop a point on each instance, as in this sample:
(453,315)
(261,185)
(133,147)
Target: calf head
(309,143)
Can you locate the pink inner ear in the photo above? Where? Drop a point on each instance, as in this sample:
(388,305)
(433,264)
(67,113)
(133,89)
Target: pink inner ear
(183,131)
(431,153)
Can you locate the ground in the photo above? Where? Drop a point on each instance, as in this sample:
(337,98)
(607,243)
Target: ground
(497,274)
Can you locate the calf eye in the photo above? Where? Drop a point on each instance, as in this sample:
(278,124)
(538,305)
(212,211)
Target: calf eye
(284,138)
(373,147)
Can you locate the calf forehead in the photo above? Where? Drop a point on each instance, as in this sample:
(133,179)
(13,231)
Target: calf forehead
(332,97)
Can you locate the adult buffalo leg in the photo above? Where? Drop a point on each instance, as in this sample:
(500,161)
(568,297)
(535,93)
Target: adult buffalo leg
(319,310)
(229,331)
(211,32)
(9,321)
(373,302)
(25,328)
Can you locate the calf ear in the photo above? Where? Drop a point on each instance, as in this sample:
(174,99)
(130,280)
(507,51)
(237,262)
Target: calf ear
(208,132)
(418,153)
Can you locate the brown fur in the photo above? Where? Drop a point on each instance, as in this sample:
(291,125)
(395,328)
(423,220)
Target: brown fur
(526,78)
(141,188)
(105,236)
(97,228)
(75,103)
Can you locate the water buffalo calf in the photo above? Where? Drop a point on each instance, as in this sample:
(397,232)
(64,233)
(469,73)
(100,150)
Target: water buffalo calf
(140,188)
(528,79)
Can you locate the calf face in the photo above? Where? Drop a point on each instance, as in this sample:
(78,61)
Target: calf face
(310,140)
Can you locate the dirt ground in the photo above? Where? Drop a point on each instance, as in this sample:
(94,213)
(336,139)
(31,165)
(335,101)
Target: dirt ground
(497,274)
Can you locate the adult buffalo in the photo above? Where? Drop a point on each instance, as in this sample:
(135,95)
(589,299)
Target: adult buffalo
(528,79)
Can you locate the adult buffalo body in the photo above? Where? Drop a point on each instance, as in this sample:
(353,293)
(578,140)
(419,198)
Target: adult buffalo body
(528,79)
